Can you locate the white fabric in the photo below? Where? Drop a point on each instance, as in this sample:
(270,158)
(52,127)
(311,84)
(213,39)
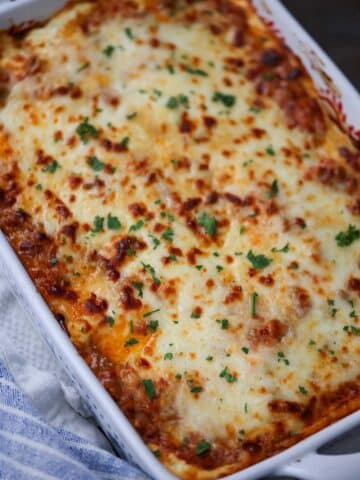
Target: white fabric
(34,367)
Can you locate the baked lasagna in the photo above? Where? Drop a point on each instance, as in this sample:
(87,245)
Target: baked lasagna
(189,210)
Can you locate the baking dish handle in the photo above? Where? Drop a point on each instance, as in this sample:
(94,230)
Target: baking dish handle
(315,466)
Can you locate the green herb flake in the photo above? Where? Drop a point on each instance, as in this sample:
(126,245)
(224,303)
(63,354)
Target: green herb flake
(38,186)
(195,314)
(224,322)
(228,376)
(124,143)
(274,189)
(302,390)
(283,249)
(168,235)
(137,226)
(149,388)
(172,103)
(196,71)
(113,223)
(53,261)
(219,268)
(131,116)
(227,100)
(138,287)
(151,312)
(202,447)
(170,69)
(209,358)
(168,356)
(84,66)
(255,110)
(153,325)
(98,224)
(333,310)
(270,151)
(196,389)
(129,33)
(246,350)
(86,131)
(151,270)
(110,320)
(156,241)
(130,342)
(108,51)
(208,223)
(51,167)
(352,329)
(258,261)
(199,267)
(282,358)
(95,164)
(156,453)
(253,298)
(346,238)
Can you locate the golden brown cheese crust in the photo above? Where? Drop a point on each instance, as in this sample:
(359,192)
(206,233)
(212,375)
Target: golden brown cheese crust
(190,213)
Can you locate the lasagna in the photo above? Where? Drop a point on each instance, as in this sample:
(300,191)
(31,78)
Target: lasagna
(189,210)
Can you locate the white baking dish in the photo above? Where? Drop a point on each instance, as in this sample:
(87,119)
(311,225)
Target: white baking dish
(342,96)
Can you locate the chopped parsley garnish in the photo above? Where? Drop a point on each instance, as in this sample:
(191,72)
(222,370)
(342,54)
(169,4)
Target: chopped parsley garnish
(270,151)
(284,249)
(157,201)
(83,67)
(351,329)
(131,341)
(38,186)
(109,320)
(51,167)
(331,304)
(228,376)
(137,226)
(129,33)
(311,343)
(246,350)
(113,223)
(209,358)
(95,164)
(151,270)
(196,389)
(199,267)
(53,261)
(195,314)
(197,71)
(282,358)
(149,388)
(170,69)
(258,261)
(138,287)
(156,453)
(132,115)
(216,254)
(98,224)
(302,390)
(219,268)
(124,143)
(109,50)
(202,447)
(227,100)
(274,190)
(253,298)
(208,223)
(168,356)
(175,102)
(224,322)
(156,242)
(151,312)
(153,325)
(168,235)
(86,131)
(242,230)
(346,238)
(255,109)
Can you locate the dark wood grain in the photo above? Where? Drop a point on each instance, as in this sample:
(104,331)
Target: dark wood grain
(335,25)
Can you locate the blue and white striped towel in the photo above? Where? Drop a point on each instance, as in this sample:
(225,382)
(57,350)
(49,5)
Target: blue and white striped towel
(32,449)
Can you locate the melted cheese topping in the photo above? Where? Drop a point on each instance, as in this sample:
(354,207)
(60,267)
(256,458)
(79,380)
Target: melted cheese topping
(261,311)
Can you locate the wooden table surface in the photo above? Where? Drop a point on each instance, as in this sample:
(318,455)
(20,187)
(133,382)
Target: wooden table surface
(335,25)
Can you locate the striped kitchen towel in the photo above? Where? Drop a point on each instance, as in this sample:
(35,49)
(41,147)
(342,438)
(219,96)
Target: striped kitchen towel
(32,449)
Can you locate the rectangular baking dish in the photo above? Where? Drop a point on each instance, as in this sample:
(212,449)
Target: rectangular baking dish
(344,102)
